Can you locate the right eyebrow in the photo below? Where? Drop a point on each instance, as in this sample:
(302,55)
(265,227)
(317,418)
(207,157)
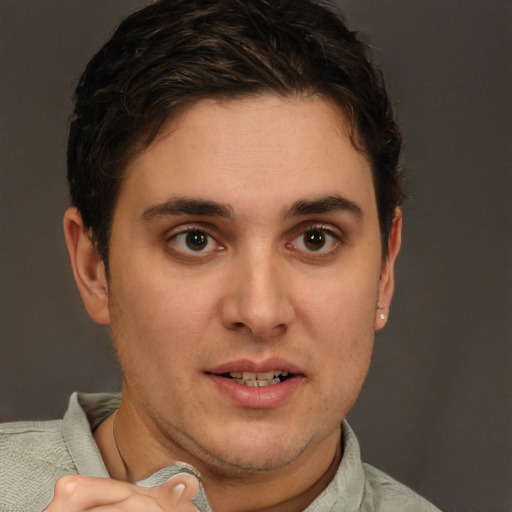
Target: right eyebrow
(187,206)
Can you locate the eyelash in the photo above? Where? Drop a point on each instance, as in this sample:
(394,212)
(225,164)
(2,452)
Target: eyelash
(331,237)
(188,230)
(334,239)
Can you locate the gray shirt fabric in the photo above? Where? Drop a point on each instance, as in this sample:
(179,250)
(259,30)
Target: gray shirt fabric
(34,455)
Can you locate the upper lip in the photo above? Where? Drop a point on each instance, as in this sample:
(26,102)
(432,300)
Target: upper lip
(247,365)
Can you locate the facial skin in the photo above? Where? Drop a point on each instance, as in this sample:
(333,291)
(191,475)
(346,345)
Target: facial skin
(245,237)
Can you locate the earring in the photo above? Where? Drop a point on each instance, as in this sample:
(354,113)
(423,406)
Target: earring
(382,316)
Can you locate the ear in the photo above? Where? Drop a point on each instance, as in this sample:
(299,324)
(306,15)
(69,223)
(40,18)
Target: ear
(387,276)
(88,268)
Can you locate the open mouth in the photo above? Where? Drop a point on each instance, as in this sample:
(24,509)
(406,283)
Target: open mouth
(258,384)
(251,379)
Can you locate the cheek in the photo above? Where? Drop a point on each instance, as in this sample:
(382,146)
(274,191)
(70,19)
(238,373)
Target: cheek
(343,348)
(159,319)
(340,319)
(341,306)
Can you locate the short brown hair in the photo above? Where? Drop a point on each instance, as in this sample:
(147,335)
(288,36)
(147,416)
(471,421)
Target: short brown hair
(176,51)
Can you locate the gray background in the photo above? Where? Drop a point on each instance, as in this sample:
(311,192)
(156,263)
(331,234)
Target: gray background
(436,409)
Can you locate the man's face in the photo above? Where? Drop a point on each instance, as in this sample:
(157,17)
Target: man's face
(246,239)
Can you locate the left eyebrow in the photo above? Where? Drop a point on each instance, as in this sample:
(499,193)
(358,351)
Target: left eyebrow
(187,206)
(325,204)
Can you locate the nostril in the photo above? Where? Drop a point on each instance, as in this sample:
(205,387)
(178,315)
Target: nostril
(239,327)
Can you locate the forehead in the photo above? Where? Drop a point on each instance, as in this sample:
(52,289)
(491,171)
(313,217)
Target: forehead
(279,149)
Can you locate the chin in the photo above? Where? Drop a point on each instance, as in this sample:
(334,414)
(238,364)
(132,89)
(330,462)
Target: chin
(256,453)
(232,465)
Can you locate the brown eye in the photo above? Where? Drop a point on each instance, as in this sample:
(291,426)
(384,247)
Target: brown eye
(196,240)
(314,240)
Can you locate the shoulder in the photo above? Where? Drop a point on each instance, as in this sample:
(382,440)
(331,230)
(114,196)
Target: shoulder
(359,487)
(383,493)
(31,443)
(33,456)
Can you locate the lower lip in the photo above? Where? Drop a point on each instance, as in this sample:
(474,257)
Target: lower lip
(262,397)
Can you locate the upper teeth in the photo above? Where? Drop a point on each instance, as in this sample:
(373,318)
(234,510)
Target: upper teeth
(258,376)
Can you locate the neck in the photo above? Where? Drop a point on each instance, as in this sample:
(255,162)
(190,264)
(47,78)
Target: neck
(131,452)
(289,490)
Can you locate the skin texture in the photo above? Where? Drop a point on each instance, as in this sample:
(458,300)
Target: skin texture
(257,290)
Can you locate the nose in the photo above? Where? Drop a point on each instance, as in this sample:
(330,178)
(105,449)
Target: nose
(257,301)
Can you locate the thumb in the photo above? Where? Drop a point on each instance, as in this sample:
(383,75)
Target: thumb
(180,489)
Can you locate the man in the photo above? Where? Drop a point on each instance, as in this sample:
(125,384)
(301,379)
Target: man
(235,220)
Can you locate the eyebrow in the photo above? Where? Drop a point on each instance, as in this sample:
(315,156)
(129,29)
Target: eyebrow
(325,204)
(207,208)
(187,206)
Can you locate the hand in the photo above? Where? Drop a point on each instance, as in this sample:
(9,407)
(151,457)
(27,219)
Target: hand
(75,493)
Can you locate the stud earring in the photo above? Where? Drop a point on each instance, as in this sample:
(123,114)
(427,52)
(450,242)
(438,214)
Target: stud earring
(382,316)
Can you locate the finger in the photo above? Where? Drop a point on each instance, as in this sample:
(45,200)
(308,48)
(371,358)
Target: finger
(180,489)
(77,493)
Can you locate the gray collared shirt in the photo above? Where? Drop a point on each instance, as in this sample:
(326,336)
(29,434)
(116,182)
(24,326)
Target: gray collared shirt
(34,455)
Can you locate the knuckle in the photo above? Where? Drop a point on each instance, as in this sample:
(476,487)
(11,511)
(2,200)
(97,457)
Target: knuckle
(67,486)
